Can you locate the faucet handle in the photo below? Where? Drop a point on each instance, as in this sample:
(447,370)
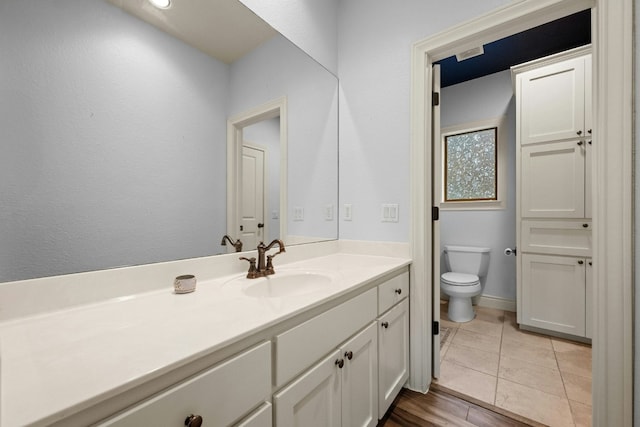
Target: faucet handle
(269,269)
(253,271)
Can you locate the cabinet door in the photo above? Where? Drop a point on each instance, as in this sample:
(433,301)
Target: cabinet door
(588,306)
(552,180)
(393,354)
(360,379)
(553,293)
(314,399)
(551,102)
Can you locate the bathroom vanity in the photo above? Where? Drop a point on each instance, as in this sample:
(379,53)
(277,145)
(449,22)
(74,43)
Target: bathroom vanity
(223,355)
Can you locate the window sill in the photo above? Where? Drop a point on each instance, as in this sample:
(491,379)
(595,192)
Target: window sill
(473,206)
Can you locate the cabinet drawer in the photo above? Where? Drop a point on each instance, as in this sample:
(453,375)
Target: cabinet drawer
(221,395)
(557,237)
(392,291)
(300,347)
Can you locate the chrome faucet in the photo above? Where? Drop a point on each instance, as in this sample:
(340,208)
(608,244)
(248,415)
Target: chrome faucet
(265,262)
(237,244)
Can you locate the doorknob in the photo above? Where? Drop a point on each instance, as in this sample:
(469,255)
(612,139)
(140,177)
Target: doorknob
(260,225)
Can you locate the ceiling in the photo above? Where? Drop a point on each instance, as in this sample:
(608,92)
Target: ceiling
(224,29)
(553,37)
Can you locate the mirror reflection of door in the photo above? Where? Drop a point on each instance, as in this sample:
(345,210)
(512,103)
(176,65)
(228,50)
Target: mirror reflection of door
(259,170)
(253,195)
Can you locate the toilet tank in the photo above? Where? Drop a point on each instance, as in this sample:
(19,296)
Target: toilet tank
(467,259)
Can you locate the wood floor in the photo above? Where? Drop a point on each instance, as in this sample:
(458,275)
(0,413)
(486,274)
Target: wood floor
(439,408)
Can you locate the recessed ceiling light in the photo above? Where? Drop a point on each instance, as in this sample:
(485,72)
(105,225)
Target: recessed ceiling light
(161,4)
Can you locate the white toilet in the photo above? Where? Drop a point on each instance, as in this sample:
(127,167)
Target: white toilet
(466,266)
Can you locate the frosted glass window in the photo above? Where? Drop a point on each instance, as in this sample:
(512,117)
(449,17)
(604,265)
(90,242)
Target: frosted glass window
(471,167)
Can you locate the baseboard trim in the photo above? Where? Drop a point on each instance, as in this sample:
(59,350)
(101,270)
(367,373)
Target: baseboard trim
(497,303)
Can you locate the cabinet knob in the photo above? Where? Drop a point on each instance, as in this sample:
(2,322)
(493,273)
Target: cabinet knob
(589,142)
(589,131)
(340,363)
(579,132)
(193,421)
(579,142)
(398,291)
(585,225)
(580,262)
(590,262)
(385,324)
(348,355)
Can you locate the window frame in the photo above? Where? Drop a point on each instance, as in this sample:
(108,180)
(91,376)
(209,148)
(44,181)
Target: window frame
(500,124)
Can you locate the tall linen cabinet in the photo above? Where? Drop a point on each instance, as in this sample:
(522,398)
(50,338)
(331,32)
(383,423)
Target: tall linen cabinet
(553,170)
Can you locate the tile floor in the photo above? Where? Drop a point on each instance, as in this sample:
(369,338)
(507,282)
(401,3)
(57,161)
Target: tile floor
(542,378)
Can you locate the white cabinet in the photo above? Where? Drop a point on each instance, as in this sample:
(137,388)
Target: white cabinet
(313,399)
(393,353)
(552,180)
(341,390)
(588,305)
(554,128)
(360,379)
(219,395)
(554,293)
(552,101)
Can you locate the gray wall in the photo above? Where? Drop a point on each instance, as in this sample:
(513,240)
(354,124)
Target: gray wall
(112,136)
(480,99)
(374,65)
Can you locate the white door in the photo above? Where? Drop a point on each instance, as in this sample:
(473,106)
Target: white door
(438,182)
(253,197)
(553,293)
(552,102)
(313,400)
(393,354)
(552,180)
(360,379)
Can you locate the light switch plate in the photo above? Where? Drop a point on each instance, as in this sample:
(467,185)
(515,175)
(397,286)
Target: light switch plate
(348,212)
(390,212)
(298,213)
(328,213)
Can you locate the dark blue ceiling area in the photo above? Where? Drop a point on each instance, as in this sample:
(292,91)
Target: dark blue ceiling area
(553,37)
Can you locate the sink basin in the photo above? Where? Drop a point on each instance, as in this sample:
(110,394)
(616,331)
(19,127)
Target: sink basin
(284,284)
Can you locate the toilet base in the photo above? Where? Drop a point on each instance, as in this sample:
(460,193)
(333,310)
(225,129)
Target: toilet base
(460,309)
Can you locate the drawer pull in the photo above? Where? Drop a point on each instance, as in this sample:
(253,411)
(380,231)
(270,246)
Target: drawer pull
(385,324)
(585,225)
(193,421)
(398,291)
(580,143)
(580,262)
(579,132)
(349,355)
(340,363)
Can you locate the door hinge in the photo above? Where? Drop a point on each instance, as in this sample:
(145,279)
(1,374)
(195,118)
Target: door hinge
(435,99)
(435,213)
(435,328)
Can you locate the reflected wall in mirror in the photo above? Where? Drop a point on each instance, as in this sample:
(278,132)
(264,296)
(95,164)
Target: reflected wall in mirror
(114,138)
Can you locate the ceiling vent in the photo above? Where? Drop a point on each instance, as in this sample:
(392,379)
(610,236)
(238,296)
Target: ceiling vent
(476,51)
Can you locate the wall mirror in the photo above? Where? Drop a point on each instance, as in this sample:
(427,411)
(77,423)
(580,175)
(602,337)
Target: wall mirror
(116,121)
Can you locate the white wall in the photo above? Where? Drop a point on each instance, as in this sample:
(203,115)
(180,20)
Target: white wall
(312,126)
(112,139)
(374,55)
(310,24)
(485,98)
(266,134)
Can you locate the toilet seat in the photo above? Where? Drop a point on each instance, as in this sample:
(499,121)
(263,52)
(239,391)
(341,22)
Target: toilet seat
(459,279)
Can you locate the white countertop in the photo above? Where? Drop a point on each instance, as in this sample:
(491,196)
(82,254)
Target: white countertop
(56,364)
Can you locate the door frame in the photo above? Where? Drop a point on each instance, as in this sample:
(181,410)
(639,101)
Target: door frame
(612,41)
(235,125)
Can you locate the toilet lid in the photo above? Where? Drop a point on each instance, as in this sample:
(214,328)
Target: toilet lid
(460,279)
